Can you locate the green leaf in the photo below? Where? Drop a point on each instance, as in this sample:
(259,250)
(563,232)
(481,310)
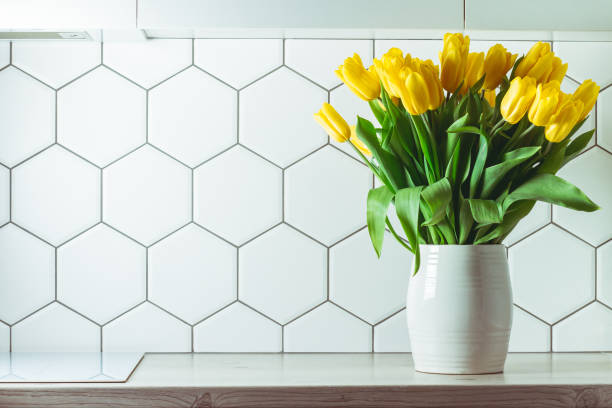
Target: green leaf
(553,160)
(494,174)
(396,236)
(551,189)
(457,125)
(511,218)
(407,203)
(437,196)
(378,203)
(377,110)
(465,221)
(481,159)
(485,211)
(577,145)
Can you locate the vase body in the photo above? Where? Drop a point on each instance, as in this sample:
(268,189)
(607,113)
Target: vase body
(459,309)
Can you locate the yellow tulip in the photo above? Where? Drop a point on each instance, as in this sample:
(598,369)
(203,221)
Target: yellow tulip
(564,120)
(421,89)
(541,64)
(388,68)
(474,70)
(364,83)
(489,96)
(518,99)
(358,143)
(497,63)
(333,123)
(453,60)
(587,92)
(547,99)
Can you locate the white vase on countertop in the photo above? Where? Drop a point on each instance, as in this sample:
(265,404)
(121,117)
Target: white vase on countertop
(459,309)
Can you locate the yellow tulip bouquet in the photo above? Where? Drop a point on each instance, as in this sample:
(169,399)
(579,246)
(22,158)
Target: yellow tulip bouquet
(462,150)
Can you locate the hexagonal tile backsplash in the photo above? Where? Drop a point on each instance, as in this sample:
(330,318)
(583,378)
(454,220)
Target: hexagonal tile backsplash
(176,195)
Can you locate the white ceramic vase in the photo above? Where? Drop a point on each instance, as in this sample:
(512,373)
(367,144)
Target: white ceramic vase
(459,309)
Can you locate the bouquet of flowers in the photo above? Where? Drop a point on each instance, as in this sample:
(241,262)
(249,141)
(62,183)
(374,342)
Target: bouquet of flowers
(462,150)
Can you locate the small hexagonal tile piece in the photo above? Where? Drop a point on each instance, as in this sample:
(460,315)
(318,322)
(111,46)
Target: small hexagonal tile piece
(146,328)
(244,188)
(294,268)
(539,216)
(604,119)
(5,194)
(224,58)
(360,282)
(101,273)
(318,59)
(56,195)
(553,273)
(569,86)
(28,271)
(53,329)
(593,227)
(328,329)
(148,62)
(325,195)
(604,273)
(590,329)
(147,195)
(192,273)
(391,335)
(297,134)
(23,98)
(192,116)
(56,63)
(5,341)
(528,333)
(237,329)
(586,60)
(101,116)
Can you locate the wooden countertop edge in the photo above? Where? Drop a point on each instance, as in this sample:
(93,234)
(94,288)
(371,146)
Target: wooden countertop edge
(502,395)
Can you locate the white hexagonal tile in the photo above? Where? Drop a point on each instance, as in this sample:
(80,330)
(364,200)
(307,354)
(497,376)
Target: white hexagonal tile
(350,106)
(423,49)
(593,227)
(5,341)
(5,194)
(569,86)
(539,216)
(391,336)
(318,59)
(146,328)
(586,60)
(23,98)
(325,195)
(148,62)
(590,329)
(328,329)
(237,329)
(242,187)
(604,273)
(604,119)
(224,58)
(192,273)
(56,195)
(27,281)
(192,116)
(147,195)
(528,334)
(294,268)
(370,287)
(55,329)
(553,273)
(5,54)
(101,273)
(282,132)
(101,116)
(56,62)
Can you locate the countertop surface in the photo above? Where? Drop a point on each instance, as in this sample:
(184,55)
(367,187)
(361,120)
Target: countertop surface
(562,379)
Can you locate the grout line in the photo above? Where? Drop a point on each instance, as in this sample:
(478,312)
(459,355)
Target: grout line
(464,22)
(327,256)
(146,274)
(55,273)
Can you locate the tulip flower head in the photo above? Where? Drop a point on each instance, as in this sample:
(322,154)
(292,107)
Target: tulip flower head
(474,70)
(563,120)
(453,60)
(364,83)
(496,64)
(547,99)
(421,89)
(358,143)
(518,99)
(388,68)
(333,123)
(587,92)
(489,96)
(541,64)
